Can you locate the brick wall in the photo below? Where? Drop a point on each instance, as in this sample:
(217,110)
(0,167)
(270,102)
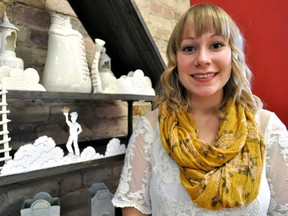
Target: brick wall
(160,17)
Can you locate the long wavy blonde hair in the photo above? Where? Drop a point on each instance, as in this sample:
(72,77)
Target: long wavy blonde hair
(205,17)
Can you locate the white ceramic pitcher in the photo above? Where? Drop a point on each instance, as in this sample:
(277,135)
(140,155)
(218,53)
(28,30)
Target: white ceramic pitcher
(66,68)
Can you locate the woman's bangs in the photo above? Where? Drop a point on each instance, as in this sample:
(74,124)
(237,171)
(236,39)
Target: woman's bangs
(204,21)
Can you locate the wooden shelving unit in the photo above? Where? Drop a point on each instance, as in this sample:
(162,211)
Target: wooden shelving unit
(13,94)
(64,96)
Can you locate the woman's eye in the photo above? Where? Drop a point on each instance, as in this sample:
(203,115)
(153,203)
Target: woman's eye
(189,49)
(217,45)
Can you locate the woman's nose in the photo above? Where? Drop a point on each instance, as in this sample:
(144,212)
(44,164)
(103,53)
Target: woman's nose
(202,58)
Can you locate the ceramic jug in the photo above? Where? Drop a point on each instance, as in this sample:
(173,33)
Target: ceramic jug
(66,68)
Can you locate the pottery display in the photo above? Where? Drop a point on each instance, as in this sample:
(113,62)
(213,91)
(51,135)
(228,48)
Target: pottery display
(66,68)
(8,37)
(44,153)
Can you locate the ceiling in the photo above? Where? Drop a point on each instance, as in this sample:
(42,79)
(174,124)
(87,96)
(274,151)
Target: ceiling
(128,41)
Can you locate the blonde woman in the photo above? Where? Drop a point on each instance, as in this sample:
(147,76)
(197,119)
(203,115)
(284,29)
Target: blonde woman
(209,148)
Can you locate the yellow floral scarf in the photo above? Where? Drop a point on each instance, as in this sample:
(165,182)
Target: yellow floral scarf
(224,175)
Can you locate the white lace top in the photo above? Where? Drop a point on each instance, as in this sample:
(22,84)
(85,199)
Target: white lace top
(150,178)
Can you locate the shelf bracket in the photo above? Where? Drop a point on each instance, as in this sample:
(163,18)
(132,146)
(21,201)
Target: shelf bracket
(130,118)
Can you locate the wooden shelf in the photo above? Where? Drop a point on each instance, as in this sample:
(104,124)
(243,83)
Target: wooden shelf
(13,94)
(64,96)
(57,170)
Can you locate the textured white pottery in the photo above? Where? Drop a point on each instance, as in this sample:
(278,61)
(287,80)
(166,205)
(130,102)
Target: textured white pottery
(96,79)
(8,37)
(66,68)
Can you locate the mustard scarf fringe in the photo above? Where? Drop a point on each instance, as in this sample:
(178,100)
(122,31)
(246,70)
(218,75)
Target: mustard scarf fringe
(224,175)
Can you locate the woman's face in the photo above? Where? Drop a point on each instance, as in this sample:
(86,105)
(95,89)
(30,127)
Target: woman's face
(204,63)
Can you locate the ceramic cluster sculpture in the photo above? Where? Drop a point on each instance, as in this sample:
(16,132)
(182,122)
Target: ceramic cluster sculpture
(18,79)
(12,73)
(44,153)
(135,82)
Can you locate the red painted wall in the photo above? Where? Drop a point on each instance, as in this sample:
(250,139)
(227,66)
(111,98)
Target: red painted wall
(264,24)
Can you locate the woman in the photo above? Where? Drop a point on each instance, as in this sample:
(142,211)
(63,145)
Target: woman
(209,148)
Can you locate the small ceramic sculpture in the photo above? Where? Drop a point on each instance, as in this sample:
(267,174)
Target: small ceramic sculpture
(101,204)
(135,82)
(4,143)
(96,79)
(114,147)
(41,204)
(8,37)
(105,69)
(17,79)
(74,130)
(66,68)
(41,154)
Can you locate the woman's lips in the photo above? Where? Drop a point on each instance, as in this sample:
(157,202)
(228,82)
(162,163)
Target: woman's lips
(204,77)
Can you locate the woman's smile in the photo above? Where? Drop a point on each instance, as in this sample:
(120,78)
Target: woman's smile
(204,77)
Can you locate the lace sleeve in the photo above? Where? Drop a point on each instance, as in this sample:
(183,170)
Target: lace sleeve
(133,188)
(276,137)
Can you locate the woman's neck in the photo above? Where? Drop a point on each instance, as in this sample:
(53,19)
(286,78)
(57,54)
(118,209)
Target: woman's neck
(206,117)
(204,105)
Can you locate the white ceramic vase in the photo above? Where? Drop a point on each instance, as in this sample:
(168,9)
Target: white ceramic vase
(66,68)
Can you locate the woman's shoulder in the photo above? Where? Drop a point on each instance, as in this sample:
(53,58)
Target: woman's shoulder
(268,120)
(152,117)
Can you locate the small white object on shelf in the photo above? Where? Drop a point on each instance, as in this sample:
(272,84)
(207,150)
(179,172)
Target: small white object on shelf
(41,204)
(101,204)
(4,143)
(74,130)
(95,76)
(105,69)
(134,83)
(18,79)
(8,37)
(114,147)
